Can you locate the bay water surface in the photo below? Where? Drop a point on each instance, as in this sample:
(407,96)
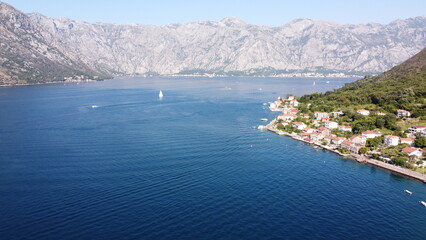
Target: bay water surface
(188,166)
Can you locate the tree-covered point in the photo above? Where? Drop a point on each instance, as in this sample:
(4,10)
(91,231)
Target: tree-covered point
(402,87)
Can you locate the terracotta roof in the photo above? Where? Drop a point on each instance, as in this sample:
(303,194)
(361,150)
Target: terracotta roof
(407,140)
(411,149)
(391,136)
(356,136)
(349,143)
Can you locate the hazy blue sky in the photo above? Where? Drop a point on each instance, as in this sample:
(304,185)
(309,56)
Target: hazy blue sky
(264,12)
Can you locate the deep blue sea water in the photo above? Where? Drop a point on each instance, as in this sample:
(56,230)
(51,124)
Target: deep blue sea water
(189,166)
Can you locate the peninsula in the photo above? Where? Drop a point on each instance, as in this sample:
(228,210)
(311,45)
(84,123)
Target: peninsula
(377,120)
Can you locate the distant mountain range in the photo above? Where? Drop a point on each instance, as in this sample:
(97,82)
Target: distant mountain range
(36,48)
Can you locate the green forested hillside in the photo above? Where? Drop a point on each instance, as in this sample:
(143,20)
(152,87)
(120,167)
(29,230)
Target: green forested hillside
(402,87)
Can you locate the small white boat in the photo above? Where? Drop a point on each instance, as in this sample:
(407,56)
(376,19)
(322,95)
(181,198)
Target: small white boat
(263,119)
(313,84)
(327,82)
(261,127)
(423,203)
(160,95)
(95,106)
(408,192)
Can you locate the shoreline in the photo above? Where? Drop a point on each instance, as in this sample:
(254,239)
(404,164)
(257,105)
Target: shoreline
(359,158)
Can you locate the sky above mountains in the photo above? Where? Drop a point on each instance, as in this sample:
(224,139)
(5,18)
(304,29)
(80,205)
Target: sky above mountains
(261,12)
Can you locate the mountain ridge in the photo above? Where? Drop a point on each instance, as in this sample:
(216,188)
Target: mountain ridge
(226,47)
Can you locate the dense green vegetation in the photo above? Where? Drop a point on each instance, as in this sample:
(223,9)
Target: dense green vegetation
(402,87)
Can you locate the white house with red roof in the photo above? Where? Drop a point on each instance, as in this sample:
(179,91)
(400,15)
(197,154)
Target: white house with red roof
(294,110)
(363,112)
(412,151)
(358,139)
(321,115)
(294,103)
(345,128)
(408,141)
(371,134)
(350,146)
(334,140)
(323,131)
(391,140)
(299,125)
(309,130)
(331,125)
(417,129)
(402,113)
(287,117)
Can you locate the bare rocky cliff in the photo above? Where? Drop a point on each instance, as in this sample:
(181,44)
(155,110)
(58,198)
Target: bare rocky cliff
(30,42)
(30,54)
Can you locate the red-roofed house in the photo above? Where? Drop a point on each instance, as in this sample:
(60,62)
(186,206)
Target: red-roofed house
(338,140)
(309,130)
(408,141)
(363,112)
(391,140)
(331,125)
(350,146)
(402,113)
(411,151)
(323,131)
(294,110)
(417,129)
(358,139)
(299,125)
(371,134)
(345,128)
(287,117)
(321,115)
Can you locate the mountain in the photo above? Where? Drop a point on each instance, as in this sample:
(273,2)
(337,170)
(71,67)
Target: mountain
(235,47)
(30,54)
(402,87)
(38,48)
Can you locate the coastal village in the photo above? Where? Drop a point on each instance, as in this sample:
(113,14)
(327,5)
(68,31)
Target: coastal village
(325,129)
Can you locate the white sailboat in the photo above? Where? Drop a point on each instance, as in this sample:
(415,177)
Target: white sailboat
(160,95)
(313,83)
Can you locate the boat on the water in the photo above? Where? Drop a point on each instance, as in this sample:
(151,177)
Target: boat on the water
(423,203)
(408,191)
(263,119)
(95,106)
(261,127)
(160,95)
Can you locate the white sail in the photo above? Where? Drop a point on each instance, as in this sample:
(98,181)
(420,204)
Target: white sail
(160,95)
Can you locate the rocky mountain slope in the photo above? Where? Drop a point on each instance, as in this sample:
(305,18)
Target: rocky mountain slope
(36,47)
(232,46)
(30,54)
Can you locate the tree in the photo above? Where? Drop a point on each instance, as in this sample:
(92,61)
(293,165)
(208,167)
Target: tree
(420,142)
(363,150)
(400,161)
